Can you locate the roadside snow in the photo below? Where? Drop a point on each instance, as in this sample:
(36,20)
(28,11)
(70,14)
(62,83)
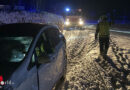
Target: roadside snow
(86,71)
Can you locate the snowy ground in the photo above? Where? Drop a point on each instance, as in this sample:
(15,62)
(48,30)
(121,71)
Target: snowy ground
(85,71)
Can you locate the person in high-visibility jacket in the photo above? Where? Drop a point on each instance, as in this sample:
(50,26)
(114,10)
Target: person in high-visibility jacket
(102,31)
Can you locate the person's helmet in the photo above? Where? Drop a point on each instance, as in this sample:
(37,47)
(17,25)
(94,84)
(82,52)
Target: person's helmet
(103,18)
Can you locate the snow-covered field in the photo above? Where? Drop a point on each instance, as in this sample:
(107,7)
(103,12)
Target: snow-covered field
(85,71)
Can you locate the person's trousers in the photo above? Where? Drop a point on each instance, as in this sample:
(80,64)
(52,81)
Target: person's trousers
(104,45)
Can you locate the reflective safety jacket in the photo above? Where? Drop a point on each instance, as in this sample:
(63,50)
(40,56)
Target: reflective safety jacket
(103,29)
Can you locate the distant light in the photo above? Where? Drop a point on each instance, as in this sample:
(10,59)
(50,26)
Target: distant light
(81,22)
(80,10)
(67,9)
(67,23)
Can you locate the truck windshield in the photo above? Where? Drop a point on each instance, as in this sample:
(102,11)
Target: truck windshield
(74,14)
(14,49)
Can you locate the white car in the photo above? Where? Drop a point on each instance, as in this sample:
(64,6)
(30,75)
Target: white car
(32,57)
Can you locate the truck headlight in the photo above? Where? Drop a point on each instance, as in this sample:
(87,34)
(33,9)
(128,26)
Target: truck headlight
(81,22)
(67,23)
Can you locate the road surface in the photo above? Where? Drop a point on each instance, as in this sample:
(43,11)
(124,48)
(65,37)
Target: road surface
(86,71)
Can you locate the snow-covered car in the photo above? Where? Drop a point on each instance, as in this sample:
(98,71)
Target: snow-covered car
(32,57)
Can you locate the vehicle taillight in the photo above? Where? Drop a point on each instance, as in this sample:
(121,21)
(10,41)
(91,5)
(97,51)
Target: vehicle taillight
(1,78)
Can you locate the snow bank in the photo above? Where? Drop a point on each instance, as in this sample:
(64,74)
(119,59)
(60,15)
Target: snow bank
(31,17)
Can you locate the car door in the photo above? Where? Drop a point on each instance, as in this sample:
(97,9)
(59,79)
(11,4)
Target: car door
(44,64)
(50,72)
(29,76)
(57,42)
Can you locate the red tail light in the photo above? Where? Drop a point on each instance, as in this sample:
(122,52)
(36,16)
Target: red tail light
(1,78)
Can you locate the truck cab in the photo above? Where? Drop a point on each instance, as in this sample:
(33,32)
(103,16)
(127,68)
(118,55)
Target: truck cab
(74,21)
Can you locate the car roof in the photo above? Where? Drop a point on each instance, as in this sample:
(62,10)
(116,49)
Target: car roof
(20,29)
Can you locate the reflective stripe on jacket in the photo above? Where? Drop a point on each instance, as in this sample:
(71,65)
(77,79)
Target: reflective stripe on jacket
(104,29)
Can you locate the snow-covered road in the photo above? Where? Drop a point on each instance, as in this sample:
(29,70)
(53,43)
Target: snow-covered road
(85,71)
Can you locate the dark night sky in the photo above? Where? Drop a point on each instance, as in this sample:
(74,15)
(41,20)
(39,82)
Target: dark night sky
(93,7)
(88,6)
(97,5)
(101,4)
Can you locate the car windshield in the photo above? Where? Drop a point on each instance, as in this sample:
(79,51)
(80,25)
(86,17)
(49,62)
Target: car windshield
(73,18)
(14,49)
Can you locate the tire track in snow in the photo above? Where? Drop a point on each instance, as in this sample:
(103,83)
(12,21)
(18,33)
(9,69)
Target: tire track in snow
(81,71)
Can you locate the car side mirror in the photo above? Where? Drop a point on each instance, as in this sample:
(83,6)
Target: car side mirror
(43,59)
(62,37)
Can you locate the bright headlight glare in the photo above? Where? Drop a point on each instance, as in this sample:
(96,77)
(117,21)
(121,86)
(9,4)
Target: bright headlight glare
(81,22)
(67,23)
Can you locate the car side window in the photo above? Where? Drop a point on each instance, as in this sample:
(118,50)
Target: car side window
(53,37)
(47,44)
(42,49)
